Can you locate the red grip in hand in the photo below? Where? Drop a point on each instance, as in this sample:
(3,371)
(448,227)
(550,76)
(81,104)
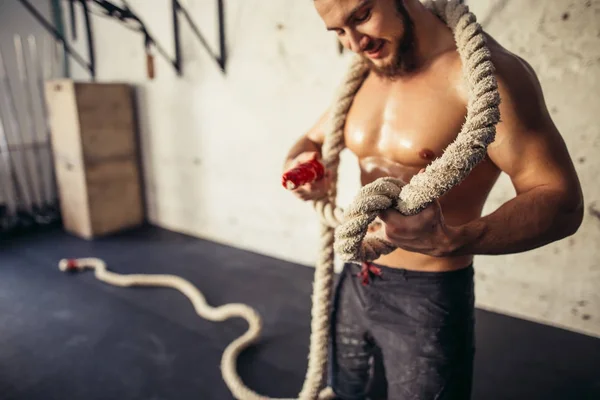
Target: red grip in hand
(306,172)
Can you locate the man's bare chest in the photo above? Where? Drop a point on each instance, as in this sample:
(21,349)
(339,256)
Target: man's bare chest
(408,124)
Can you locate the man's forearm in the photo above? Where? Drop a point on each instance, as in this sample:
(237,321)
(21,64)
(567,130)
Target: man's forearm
(528,221)
(303,145)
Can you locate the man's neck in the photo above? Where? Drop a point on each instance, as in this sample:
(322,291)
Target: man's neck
(433,37)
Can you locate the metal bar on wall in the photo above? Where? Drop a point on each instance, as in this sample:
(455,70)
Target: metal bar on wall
(221,58)
(222,43)
(57,18)
(127,14)
(176,32)
(90,37)
(73,16)
(58,36)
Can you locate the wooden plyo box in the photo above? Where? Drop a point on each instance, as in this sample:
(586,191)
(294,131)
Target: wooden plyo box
(93,134)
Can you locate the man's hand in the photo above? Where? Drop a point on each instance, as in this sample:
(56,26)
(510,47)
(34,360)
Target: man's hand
(310,191)
(424,233)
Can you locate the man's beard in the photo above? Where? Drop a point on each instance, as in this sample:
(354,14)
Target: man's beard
(404,56)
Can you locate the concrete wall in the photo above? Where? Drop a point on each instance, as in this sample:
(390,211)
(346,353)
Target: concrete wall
(213,144)
(560,283)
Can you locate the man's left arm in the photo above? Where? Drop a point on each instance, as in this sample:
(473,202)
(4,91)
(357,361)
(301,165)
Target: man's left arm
(548,205)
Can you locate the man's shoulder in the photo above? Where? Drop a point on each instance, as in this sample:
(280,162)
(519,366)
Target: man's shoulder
(512,71)
(521,95)
(518,83)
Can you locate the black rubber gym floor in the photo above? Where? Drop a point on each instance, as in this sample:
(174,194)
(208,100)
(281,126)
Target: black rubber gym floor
(70,337)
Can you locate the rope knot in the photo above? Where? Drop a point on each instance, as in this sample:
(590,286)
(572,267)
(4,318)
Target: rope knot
(352,242)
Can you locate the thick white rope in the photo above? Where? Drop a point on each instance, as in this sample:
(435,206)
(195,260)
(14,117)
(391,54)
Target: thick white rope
(351,240)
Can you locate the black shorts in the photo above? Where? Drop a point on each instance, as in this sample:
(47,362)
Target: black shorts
(404,335)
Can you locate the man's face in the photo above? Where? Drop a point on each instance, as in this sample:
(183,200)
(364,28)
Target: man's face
(381,31)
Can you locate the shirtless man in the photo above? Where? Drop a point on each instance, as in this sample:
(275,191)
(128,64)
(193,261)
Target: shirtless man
(419,314)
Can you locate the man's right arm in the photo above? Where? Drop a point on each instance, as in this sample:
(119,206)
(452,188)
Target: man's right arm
(311,142)
(305,149)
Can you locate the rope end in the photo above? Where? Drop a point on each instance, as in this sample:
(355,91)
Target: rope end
(289,185)
(68,265)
